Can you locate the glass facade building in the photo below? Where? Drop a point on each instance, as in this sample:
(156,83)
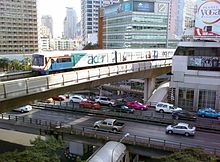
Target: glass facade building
(135,24)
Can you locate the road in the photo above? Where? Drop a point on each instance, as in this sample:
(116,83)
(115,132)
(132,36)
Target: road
(134,128)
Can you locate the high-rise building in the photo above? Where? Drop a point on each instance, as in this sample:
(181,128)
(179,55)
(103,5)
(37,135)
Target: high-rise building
(70,23)
(134,24)
(18,26)
(47,21)
(89,15)
(182,16)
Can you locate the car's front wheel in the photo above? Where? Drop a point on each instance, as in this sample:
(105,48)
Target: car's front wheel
(186,134)
(96,127)
(170,132)
(161,111)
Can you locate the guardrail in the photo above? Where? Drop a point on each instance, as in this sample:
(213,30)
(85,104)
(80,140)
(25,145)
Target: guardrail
(207,126)
(15,75)
(63,128)
(21,87)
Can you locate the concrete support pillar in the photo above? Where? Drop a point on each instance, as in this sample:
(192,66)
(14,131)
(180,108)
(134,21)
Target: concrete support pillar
(100,91)
(195,99)
(176,96)
(149,86)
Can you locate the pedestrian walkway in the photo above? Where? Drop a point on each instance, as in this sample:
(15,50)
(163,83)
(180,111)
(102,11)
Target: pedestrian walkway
(17,137)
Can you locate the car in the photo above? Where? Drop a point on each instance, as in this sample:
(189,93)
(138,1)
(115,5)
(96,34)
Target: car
(49,100)
(122,108)
(181,128)
(89,104)
(166,107)
(136,105)
(102,100)
(110,124)
(59,98)
(208,112)
(183,114)
(76,98)
(24,109)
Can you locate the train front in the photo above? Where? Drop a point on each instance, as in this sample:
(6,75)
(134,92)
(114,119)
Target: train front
(38,64)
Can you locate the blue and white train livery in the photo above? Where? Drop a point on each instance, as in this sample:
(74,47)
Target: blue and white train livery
(47,62)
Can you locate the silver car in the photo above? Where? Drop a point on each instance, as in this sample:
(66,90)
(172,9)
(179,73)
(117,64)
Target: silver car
(181,128)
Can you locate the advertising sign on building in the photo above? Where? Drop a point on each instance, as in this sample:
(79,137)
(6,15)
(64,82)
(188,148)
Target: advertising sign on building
(207,22)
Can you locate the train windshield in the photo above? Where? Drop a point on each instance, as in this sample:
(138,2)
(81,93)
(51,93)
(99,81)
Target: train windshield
(37,60)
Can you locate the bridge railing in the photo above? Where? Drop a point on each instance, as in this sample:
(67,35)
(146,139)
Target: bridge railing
(62,128)
(209,126)
(21,87)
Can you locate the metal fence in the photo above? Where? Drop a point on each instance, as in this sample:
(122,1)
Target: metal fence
(65,128)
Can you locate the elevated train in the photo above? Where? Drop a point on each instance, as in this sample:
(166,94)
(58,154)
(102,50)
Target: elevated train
(48,62)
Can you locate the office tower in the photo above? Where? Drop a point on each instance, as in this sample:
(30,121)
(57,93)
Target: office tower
(182,16)
(47,21)
(70,23)
(18,27)
(89,15)
(134,24)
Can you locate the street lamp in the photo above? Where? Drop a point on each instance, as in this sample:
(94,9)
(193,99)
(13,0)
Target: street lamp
(127,134)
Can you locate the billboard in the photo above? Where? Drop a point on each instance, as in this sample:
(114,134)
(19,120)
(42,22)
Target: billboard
(207,22)
(143,6)
(204,63)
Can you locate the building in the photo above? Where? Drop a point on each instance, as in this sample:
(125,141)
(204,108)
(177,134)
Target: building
(47,21)
(195,80)
(181,17)
(109,2)
(134,24)
(18,27)
(70,22)
(89,18)
(63,44)
(45,38)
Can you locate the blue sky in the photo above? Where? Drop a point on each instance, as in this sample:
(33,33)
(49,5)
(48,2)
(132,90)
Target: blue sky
(57,9)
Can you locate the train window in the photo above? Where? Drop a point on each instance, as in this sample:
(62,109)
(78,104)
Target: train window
(60,60)
(38,60)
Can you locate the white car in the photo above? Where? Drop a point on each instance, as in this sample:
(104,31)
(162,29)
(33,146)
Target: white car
(76,98)
(181,128)
(166,107)
(23,109)
(102,100)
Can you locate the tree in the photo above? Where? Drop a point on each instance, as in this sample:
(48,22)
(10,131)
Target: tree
(4,63)
(41,151)
(189,155)
(89,46)
(26,64)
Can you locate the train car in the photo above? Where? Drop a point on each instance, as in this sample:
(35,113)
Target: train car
(112,151)
(47,62)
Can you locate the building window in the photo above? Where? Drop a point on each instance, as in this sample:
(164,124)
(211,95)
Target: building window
(207,98)
(185,99)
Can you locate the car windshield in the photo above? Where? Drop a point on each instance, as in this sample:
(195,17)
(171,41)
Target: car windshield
(190,126)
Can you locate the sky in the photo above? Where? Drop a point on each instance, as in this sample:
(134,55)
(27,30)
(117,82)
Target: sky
(57,9)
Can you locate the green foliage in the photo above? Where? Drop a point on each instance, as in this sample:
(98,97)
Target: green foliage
(41,151)
(14,65)
(189,155)
(90,46)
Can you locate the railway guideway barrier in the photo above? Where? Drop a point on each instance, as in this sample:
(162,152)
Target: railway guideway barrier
(33,85)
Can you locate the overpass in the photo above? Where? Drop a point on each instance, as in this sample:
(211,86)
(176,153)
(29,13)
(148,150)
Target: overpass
(27,90)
